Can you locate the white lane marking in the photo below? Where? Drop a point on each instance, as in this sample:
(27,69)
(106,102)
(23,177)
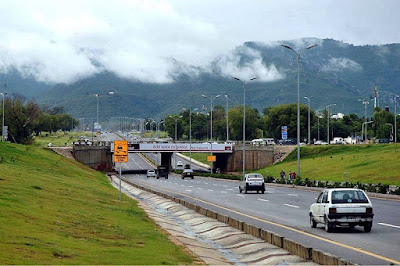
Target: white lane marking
(293,195)
(199,188)
(210,190)
(263,200)
(225,185)
(293,206)
(176,183)
(206,183)
(190,186)
(390,225)
(188,190)
(240,195)
(229,189)
(182,185)
(224,192)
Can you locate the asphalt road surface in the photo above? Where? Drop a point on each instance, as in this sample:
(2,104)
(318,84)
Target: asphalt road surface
(285,211)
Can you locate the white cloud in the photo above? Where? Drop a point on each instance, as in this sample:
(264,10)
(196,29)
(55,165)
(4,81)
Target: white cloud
(231,65)
(341,64)
(58,40)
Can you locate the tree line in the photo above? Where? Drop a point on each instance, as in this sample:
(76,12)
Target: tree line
(26,119)
(268,123)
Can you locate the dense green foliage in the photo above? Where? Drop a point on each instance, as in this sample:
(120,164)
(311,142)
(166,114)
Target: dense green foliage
(273,118)
(26,118)
(54,210)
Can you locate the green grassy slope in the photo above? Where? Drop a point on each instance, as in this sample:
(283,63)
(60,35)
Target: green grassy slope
(56,211)
(363,163)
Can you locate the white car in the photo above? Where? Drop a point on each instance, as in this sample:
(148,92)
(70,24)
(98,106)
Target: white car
(179,165)
(151,173)
(252,182)
(342,207)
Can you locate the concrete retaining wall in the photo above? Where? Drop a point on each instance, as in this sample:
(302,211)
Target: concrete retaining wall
(293,247)
(96,157)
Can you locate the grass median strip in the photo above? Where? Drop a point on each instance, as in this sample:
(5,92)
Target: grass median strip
(56,211)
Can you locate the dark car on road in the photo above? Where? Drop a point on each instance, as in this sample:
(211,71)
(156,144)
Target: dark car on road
(162,171)
(187,173)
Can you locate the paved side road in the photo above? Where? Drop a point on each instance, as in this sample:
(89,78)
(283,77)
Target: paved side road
(214,242)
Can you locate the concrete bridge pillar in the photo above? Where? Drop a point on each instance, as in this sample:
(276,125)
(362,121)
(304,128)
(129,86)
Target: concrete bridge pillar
(166,160)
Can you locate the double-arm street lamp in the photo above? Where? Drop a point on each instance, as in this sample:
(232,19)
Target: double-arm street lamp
(97,97)
(365,125)
(327,132)
(365,103)
(227,118)
(211,136)
(2,132)
(309,123)
(395,115)
(190,134)
(176,134)
(244,121)
(298,100)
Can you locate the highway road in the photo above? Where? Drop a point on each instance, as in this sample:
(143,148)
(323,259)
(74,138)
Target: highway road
(285,211)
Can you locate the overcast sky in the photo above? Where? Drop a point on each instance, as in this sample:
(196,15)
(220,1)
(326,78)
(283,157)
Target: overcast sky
(62,41)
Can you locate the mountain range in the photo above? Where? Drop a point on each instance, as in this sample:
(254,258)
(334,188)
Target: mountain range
(331,72)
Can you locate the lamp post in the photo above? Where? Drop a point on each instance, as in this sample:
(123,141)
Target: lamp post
(190,134)
(298,100)
(244,121)
(227,118)
(395,115)
(176,134)
(365,102)
(391,135)
(309,131)
(211,134)
(2,132)
(365,123)
(327,132)
(97,97)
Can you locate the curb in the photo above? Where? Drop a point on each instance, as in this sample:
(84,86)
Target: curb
(293,247)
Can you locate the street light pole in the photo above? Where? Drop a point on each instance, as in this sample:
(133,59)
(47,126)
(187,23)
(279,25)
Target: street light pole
(391,135)
(298,100)
(309,131)
(365,124)
(365,102)
(2,132)
(190,135)
(227,119)
(244,121)
(395,115)
(211,137)
(327,132)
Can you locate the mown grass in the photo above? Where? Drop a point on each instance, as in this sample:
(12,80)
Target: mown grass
(54,210)
(199,156)
(339,163)
(60,138)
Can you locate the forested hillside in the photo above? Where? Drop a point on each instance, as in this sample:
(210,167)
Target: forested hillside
(332,72)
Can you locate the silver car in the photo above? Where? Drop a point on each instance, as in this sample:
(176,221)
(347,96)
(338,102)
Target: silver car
(151,173)
(342,207)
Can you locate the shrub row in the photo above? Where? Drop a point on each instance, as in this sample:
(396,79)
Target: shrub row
(375,188)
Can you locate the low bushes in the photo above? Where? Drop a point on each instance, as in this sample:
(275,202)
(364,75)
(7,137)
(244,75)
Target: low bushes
(375,188)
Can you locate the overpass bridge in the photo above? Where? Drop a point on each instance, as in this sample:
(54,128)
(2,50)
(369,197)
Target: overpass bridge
(228,155)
